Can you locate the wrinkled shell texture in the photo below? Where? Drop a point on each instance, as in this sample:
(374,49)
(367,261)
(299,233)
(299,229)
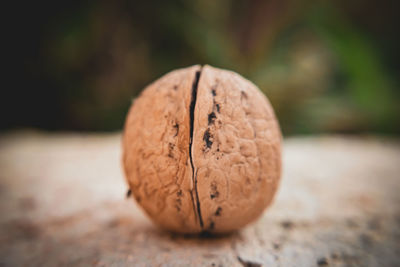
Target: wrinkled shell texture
(202,151)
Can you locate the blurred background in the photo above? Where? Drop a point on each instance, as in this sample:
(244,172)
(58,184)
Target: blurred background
(326,66)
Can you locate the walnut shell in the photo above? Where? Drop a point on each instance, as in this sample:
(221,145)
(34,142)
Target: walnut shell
(201,150)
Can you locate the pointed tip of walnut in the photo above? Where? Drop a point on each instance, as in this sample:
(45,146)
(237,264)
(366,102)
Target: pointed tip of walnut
(202,150)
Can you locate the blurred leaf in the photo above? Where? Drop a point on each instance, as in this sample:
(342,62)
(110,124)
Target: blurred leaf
(368,82)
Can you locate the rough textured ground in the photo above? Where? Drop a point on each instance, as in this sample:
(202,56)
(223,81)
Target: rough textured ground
(62,202)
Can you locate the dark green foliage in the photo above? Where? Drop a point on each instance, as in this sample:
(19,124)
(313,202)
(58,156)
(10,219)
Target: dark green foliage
(321,65)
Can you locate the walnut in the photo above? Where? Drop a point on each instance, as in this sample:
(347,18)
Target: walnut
(201,151)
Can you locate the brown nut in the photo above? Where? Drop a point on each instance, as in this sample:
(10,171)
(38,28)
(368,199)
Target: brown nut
(201,151)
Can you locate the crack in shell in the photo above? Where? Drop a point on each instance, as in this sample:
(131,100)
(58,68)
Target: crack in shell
(196,205)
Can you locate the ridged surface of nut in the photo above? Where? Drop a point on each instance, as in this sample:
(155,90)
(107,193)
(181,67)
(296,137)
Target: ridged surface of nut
(202,151)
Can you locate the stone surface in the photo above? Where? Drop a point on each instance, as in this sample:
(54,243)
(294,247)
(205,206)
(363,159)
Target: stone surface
(62,202)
